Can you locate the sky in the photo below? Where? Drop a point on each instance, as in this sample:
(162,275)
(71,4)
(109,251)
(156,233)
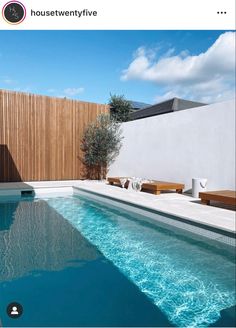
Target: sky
(145,66)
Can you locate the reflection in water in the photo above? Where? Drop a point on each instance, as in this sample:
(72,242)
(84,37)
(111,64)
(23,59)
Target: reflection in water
(190,279)
(60,278)
(34,237)
(7,211)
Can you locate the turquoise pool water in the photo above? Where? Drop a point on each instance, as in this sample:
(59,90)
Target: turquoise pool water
(72,262)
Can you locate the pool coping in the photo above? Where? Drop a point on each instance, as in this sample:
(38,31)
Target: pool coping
(215,229)
(181,207)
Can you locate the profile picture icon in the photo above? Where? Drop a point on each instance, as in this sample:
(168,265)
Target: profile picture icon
(14,310)
(14,12)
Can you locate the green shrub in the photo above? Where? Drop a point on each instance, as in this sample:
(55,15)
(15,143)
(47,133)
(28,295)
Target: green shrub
(100,144)
(120,108)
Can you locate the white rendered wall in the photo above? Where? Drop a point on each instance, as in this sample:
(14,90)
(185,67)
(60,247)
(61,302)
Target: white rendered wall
(179,146)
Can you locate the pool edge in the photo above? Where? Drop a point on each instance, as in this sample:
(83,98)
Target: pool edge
(208,231)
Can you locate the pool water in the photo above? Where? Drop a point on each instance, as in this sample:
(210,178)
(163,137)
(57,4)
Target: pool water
(72,262)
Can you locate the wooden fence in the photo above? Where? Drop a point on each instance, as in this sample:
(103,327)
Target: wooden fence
(40,136)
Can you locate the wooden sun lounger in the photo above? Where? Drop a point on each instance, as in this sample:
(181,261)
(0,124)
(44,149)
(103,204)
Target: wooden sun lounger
(155,187)
(116,181)
(224,196)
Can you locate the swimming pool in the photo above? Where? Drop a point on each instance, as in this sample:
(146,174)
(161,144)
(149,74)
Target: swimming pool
(73,262)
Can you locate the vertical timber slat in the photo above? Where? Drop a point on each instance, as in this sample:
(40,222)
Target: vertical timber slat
(40,136)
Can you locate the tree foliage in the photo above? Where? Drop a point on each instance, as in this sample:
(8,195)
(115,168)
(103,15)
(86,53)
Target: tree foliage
(100,144)
(120,108)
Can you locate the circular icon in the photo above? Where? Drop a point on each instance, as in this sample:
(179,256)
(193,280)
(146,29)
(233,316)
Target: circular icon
(14,310)
(14,12)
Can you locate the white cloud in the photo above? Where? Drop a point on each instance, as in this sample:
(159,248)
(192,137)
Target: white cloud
(167,95)
(24,89)
(51,90)
(68,92)
(73,91)
(7,80)
(209,76)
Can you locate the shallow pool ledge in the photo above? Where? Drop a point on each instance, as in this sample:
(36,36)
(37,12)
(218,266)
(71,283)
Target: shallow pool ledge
(213,222)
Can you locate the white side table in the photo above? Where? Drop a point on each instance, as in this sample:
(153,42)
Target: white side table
(198,185)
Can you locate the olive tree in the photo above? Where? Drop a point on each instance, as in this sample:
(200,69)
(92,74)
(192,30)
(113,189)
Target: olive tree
(120,108)
(100,144)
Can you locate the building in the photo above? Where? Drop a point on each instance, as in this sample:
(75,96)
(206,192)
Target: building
(136,105)
(168,106)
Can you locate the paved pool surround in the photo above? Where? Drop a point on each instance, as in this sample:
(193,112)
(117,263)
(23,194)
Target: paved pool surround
(191,214)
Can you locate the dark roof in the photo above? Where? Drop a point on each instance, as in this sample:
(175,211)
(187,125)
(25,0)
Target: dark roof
(138,105)
(164,107)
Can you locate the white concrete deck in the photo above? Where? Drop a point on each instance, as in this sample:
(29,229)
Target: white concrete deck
(37,184)
(180,205)
(183,206)
(39,187)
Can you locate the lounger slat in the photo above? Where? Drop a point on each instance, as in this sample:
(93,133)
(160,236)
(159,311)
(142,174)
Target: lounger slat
(156,186)
(227,197)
